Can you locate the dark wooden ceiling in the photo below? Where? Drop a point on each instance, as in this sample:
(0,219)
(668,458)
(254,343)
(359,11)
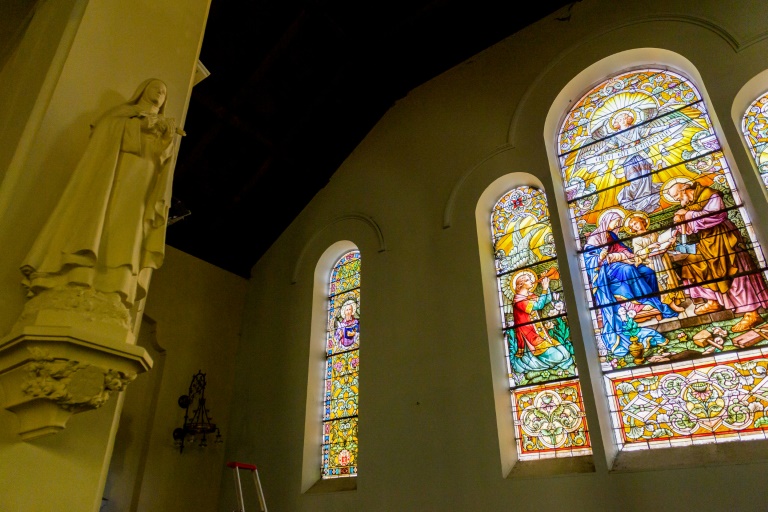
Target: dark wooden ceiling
(294,87)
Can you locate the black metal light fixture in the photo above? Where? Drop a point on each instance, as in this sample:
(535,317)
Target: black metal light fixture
(198,425)
(177,211)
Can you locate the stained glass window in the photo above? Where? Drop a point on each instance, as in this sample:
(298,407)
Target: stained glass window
(546,397)
(674,276)
(342,366)
(755,129)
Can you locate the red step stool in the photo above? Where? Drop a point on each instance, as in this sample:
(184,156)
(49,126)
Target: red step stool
(237,466)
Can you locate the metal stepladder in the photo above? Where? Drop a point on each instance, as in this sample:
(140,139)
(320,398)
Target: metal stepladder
(236,467)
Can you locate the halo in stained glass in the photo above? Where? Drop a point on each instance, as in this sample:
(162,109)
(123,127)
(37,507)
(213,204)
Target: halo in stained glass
(668,256)
(340,403)
(535,327)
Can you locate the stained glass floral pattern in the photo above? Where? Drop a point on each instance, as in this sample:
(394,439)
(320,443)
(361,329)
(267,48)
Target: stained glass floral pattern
(340,410)
(546,396)
(725,398)
(755,129)
(550,421)
(670,263)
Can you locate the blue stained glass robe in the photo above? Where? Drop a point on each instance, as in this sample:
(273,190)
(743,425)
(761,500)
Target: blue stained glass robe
(628,281)
(556,357)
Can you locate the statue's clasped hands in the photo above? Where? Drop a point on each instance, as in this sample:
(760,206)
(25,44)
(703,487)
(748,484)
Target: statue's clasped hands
(166,126)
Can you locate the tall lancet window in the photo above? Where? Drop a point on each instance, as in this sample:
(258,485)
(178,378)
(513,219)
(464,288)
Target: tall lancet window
(341,369)
(755,129)
(546,396)
(671,267)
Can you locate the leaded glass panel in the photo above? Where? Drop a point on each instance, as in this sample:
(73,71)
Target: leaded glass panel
(671,267)
(340,410)
(755,130)
(546,397)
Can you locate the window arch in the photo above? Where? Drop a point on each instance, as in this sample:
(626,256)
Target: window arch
(342,365)
(546,396)
(671,267)
(754,126)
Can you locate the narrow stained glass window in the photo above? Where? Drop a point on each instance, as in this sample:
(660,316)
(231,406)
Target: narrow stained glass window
(671,267)
(546,397)
(341,369)
(755,129)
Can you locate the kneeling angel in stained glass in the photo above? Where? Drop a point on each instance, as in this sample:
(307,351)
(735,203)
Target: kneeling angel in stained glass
(546,396)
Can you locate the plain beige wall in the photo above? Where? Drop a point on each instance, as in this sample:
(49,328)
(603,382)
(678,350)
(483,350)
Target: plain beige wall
(197,308)
(428,418)
(25,92)
(105,49)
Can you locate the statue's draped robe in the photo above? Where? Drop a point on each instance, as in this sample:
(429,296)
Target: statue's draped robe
(109,223)
(721,259)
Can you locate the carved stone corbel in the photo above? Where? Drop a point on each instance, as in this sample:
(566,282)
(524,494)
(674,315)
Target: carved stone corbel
(64,363)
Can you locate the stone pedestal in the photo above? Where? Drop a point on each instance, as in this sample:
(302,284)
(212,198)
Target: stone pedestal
(57,362)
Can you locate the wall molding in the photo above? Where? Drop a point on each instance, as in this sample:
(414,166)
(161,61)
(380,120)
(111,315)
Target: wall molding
(366,219)
(450,204)
(723,33)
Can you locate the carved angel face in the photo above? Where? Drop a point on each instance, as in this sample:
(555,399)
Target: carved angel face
(155,92)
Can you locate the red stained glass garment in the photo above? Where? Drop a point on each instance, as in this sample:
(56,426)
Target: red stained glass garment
(673,274)
(546,398)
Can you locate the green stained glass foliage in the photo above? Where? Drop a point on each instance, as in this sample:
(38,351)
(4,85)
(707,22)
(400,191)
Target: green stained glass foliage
(535,326)
(346,273)
(340,448)
(717,400)
(530,290)
(754,126)
(341,385)
(670,264)
(340,409)
(549,421)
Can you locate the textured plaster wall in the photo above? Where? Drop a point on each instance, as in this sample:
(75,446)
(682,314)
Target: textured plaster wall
(105,49)
(429,439)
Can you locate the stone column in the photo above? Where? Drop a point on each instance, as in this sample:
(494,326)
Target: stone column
(74,60)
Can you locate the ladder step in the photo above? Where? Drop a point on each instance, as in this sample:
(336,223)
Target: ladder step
(237,466)
(241,465)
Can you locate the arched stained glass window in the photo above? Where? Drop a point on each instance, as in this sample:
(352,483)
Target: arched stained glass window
(672,270)
(546,396)
(341,369)
(755,129)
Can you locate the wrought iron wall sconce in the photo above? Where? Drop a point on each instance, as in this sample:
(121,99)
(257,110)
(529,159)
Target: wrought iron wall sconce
(198,425)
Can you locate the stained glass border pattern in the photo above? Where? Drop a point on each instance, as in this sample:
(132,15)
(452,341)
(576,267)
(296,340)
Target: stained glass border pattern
(341,388)
(550,421)
(754,127)
(708,400)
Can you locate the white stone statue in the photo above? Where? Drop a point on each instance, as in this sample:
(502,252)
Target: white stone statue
(109,224)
